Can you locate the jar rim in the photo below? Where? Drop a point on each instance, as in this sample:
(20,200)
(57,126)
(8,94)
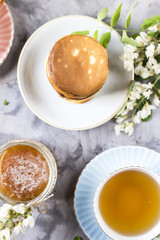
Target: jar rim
(51,161)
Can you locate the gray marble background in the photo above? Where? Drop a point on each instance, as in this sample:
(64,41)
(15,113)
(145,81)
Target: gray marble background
(72,149)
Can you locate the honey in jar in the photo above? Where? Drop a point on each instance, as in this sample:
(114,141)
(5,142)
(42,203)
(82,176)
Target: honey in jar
(24,173)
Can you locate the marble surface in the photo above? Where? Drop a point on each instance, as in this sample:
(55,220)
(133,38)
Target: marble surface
(72,149)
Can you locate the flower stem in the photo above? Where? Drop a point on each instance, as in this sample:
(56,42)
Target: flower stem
(121,30)
(136,108)
(156,81)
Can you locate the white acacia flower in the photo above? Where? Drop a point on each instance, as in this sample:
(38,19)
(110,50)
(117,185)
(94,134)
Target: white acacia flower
(29,221)
(149,64)
(144,113)
(150,50)
(128,65)
(142,39)
(139,40)
(120,119)
(156,100)
(132,98)
(153,28)
(19,228)
(153,61)
(128,56)
(129,48)
(147,93)
(5,234)
(129,53)
(137,118)
(137,89)
(146,110)
(141,89)
(118,129)
(20,208)
(151,107)
(156,68)
(145,38)
(147,86)
(144,73)
(134,95)
(4,212)
(124,112)
(130,105)
(137,84)
(129,128)
(138,69)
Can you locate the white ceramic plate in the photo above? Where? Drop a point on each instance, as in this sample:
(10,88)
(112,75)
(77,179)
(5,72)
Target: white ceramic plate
(40,96)
(96,171)
(6,31)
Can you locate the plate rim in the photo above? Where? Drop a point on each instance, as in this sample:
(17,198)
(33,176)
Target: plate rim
(12,32)
(89,163)
(30,105)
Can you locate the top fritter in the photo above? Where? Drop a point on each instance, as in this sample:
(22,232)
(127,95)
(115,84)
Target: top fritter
(77,67)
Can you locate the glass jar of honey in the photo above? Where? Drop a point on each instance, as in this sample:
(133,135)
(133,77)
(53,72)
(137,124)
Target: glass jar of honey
(28,172)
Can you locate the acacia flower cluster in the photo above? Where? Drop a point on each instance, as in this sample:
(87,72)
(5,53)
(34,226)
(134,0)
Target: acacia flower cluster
(146,65)
(138,108)
(144,60)
(14,219)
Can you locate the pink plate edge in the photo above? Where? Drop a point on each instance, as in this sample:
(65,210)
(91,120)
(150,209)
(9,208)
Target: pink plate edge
(12,35)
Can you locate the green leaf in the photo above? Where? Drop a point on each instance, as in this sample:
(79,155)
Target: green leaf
(150,116)
(150,22)
(85,32)
(138,78)
(102,14)
(157,91)
(116,16)
(134,35)
(158,58)
(131,86)
(5,103)
(96,34)
(157,84)
(140,104)
(126,39)
(77,238)
(154,34)
(106,37)
(128,19)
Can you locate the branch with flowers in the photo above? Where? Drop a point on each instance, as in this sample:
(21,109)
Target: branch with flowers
(144,60)
(142,56)
(14,219)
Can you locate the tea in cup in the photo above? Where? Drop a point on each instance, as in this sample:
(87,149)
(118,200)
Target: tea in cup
(127,204)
